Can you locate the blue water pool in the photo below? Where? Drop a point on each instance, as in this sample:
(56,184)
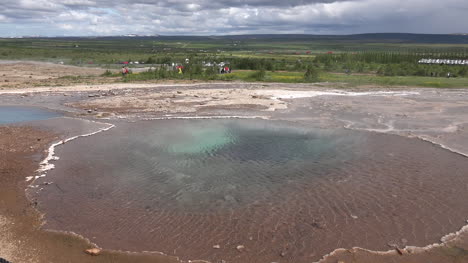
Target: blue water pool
(15,114)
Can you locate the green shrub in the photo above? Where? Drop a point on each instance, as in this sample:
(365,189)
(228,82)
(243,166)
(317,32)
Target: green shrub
(108,73)
(311,74)
(258,75)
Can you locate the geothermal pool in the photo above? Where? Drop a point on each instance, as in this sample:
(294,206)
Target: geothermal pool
(198,189)
(15,114)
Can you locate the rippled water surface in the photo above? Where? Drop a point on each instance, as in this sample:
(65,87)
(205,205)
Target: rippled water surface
(14,114)
(285,192)
(212,165)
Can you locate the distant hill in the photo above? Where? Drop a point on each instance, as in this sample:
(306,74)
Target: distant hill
(364,38)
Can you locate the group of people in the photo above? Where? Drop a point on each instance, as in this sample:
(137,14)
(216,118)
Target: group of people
(125,71)
(225,70)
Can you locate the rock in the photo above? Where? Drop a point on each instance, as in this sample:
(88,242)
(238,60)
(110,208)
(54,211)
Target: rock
(254,97)
(216,246)
(240,248)
(179,92)
(317,224)
(283,254)
(89,111)
(93,251)
(392,244)
(2,260)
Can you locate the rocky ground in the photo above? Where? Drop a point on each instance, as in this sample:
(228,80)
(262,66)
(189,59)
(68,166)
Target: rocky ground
(26,74)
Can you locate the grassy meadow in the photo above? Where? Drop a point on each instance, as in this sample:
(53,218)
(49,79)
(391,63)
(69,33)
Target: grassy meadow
(380,59)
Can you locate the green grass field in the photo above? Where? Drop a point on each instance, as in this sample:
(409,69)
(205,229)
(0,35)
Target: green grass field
(284,57)
(358,80)
(341,80)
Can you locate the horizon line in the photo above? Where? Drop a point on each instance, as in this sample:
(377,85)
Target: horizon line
(228,35)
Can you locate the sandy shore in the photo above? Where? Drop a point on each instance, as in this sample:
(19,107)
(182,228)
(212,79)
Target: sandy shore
(436,115)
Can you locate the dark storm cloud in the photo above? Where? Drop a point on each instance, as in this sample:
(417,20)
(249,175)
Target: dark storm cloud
(106,17)
(36,7)
(207,4)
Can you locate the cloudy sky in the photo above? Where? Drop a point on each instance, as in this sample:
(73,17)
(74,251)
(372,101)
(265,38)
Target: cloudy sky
(211,17)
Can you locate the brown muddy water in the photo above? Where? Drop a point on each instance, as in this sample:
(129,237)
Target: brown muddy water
(252,190)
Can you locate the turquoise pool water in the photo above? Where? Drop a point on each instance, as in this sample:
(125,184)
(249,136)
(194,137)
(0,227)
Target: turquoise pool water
(213,164)
(15,114)
(182,186)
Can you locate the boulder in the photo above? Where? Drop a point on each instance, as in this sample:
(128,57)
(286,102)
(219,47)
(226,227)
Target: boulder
(93,251)
(240,248)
